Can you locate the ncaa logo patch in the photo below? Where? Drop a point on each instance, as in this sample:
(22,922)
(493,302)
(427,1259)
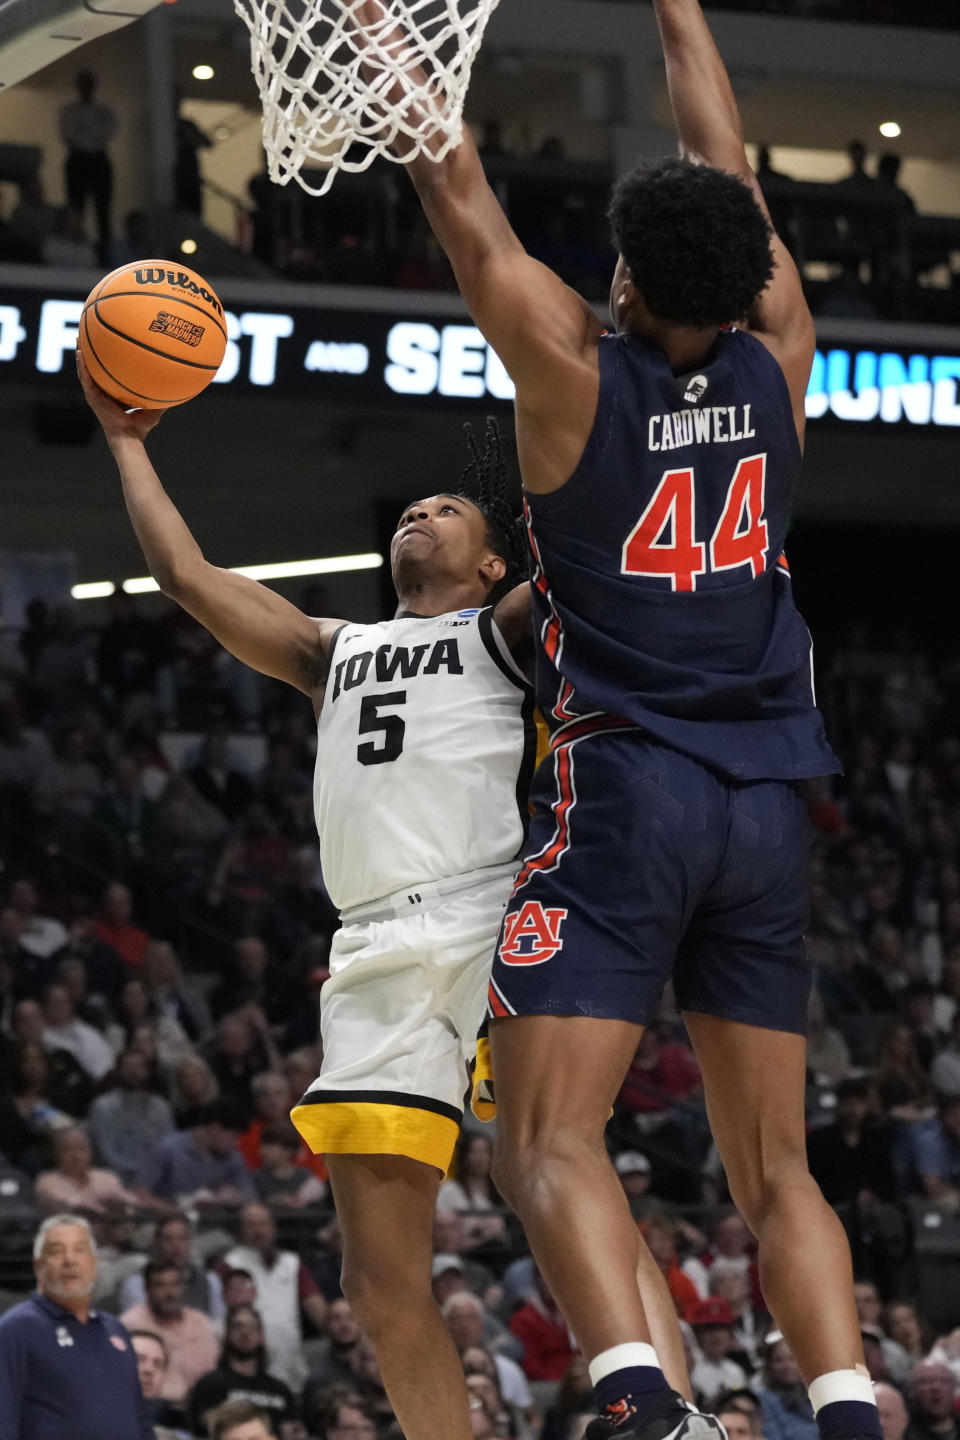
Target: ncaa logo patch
(531,935)
(118,1342)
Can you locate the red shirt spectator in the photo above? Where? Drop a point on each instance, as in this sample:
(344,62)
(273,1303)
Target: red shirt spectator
(542,1330)
(660,1076)
(115,927)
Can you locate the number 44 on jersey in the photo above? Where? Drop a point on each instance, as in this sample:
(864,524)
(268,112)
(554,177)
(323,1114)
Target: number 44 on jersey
(663,541)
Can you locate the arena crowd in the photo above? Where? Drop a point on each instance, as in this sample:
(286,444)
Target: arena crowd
(164,933)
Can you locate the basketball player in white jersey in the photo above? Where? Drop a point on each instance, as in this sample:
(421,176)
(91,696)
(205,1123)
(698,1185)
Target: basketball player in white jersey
(425,749)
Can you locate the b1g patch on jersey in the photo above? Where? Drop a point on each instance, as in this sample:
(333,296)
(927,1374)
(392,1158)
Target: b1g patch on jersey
(531,935)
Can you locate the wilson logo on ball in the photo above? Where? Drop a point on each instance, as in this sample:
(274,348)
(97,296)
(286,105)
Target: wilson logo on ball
(179,280)
(531,935)
(177,328)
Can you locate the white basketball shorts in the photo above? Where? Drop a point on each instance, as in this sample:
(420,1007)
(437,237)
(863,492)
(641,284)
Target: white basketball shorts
(399,1018)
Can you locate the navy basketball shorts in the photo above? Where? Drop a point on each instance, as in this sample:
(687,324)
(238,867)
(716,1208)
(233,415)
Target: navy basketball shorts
(642,865)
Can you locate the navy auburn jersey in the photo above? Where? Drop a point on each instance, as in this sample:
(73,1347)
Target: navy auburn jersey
(662,597)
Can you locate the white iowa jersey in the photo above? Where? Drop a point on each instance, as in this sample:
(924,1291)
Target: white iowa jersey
(425,747)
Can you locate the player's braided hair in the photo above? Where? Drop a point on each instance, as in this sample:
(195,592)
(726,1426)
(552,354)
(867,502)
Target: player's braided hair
(485,482)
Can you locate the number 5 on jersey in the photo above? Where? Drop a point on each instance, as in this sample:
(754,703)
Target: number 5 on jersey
(739,539)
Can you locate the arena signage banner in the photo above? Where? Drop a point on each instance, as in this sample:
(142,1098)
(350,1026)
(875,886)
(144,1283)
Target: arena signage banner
(387,357)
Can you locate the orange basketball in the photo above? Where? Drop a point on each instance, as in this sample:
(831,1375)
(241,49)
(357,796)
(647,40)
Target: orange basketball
(153,334)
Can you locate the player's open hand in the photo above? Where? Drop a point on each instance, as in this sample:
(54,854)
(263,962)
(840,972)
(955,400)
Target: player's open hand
(116,422)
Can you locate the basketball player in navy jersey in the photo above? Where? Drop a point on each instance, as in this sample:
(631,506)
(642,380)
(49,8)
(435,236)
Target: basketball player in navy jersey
(423,754)
(669,837)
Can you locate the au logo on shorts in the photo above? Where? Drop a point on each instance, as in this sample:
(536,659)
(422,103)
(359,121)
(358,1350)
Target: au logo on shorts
(531,935)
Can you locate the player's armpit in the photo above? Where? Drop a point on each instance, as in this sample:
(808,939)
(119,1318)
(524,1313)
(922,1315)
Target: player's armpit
(256,624)
(513,617)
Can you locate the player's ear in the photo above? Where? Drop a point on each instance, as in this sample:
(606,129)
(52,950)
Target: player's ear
(493,568)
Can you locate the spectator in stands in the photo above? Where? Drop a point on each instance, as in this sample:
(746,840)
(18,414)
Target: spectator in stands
(471,1189)
(285,1291)
(187,179)
(634,1171)
(134,1009)
(173,1244)
(786,1409)
(280,1181)
(218,777)
(728,1281)
(945,1071)
(241,1373)
(70,783)
(660,1233)
(828,1056)
(65,1031)
(543,1333)
(903,1323)
(128,1121)
(342,1415)
(713,1371)
(931,1393)
(730,1240)
(369,1383)
(740,1420)
(193,1088)
(34,219)
(238,1053)
(40,934)
(273,1099)
(253,981)
(73,1183)
(117,928)
(934,1154)
(901,1079)
(850,1159)
(765,170)
(858,178)
(104,968)
(86,128)
(152,1365)
(170,994)
(200,1166)
(870,1312)
(68,245)
(513,1384)
(894,1415)
(471,1323)
(888,174)
(329,1356)
(187,1333)
(28,1114)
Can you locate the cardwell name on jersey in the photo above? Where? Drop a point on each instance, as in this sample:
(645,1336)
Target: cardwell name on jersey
(396,662)
(714,425)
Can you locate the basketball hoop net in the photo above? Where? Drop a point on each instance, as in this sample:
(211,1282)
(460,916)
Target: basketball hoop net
(359,79)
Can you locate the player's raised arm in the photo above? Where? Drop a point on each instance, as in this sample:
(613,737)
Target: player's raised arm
(535,322)
(710,129)
(255,624)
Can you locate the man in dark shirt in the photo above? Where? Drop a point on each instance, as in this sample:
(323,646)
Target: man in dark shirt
(850,1159)
(241,1374)
(67,1372)
(930,1393)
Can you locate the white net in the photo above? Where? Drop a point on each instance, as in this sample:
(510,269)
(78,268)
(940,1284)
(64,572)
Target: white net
(344,81)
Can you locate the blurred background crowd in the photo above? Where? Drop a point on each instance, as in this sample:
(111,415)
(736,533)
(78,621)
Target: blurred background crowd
(164,933)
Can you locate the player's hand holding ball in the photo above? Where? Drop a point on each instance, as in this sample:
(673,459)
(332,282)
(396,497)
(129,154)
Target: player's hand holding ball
(117,423)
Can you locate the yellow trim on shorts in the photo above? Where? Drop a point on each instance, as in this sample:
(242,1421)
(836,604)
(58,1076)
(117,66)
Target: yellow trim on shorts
(482,1100)
(350,1127)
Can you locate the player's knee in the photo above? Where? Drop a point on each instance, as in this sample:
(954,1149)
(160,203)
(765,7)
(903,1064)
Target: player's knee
(377,1293)
(529,1165)
(771,1188)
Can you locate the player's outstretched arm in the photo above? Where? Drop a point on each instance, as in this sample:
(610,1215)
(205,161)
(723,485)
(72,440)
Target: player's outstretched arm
(710,129)
(539,327)
(255,624)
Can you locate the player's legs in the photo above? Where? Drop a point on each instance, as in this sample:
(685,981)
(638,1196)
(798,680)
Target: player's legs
(754,1081)
(742,982)
(556,1079)
(386,1205)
